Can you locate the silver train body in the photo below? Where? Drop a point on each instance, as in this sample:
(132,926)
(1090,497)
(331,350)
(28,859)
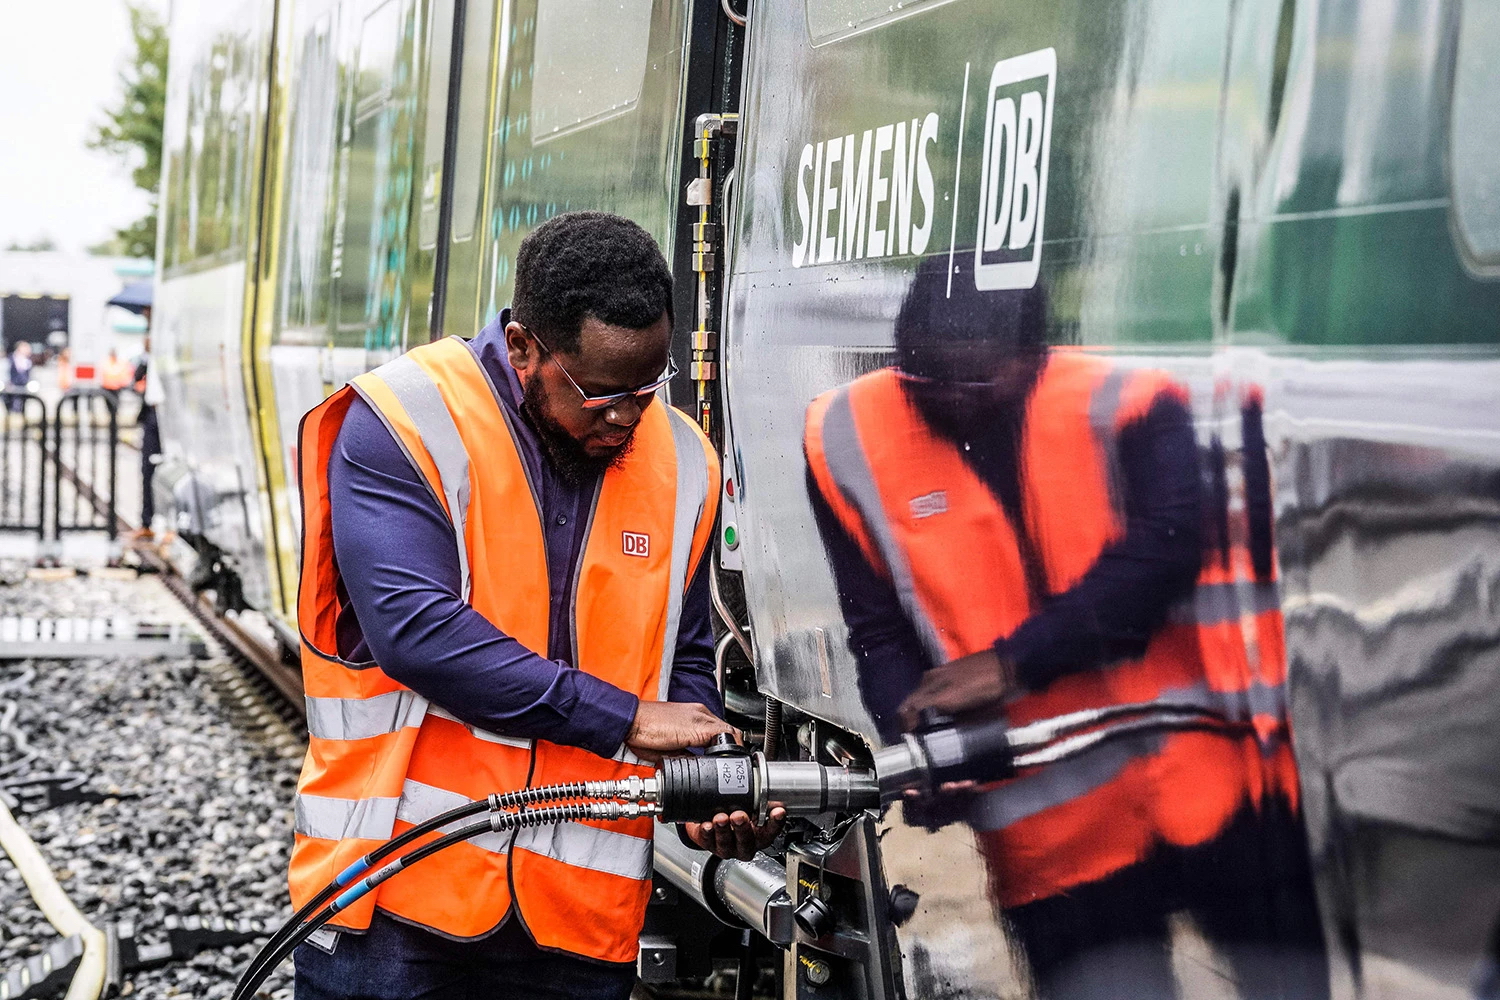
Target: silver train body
(1293,198)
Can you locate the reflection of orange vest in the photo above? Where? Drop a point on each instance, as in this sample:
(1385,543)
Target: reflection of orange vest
(928,523)
(381,758)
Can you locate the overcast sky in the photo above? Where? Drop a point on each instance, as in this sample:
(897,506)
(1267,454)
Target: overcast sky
(59,65)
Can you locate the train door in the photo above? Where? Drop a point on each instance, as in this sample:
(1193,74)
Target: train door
(362,77)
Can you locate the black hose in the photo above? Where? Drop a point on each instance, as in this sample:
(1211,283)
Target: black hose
(772,741)
(497,822)
(493,803)
(358,868)
(267,961)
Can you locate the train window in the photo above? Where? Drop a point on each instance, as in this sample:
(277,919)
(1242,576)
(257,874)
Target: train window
(375,202)
(308,196)
(473,119)
(588,64)
(830,20)
(1476,135)
(209,159)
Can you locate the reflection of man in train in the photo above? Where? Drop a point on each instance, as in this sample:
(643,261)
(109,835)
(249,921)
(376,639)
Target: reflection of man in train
(1021,530)
(565,637)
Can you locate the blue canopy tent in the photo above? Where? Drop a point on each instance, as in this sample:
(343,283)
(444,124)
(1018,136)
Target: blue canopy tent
(135,296)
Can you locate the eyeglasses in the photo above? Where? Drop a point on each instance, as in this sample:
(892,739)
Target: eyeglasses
(945,383)
(601,402)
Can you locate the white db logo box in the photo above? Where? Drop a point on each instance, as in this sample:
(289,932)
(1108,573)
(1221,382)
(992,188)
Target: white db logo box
(1013,173)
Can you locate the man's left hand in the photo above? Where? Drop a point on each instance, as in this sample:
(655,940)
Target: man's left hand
(978,680)
(735,835)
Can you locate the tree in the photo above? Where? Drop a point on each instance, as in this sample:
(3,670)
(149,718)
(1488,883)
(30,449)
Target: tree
(132,128)
(41,244)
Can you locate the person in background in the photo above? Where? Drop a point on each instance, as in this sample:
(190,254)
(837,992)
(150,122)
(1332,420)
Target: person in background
(149,387)
(1021,531)
(19,375)
(116,373)
(65,369)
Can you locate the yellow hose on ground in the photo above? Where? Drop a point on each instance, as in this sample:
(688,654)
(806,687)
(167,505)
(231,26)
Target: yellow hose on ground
(88,981)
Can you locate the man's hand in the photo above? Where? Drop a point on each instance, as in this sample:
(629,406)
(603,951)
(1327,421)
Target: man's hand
(978,680)
(735,835)
(663,727)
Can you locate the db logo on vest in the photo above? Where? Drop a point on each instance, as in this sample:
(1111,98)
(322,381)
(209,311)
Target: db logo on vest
(637,544)
(1013,172)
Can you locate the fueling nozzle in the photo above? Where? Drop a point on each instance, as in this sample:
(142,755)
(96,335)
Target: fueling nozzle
(727,778)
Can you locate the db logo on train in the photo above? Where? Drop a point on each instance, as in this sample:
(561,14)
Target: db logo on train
(1013,171)
(637,543)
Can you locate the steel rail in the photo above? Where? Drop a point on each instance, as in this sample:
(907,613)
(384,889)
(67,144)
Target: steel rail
(245,648)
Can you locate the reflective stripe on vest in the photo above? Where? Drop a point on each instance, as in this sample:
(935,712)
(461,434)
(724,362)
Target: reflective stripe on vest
(362,718)
(424,405)
(851,470)
(692,499)
(576,844)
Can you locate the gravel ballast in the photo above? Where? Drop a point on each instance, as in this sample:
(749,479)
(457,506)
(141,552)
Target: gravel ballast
(203,824)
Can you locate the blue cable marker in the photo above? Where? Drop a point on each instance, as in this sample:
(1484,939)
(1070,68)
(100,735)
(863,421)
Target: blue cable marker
(353,872)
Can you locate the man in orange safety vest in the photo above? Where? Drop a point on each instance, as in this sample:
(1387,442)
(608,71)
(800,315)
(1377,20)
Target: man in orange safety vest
(504,586)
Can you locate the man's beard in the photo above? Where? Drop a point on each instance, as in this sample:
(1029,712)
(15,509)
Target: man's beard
(568,457)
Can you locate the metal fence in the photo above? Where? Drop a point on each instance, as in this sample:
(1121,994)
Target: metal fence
(57,466)
(24,440)
(85,439)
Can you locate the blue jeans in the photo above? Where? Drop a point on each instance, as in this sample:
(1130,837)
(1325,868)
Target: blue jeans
(395,961)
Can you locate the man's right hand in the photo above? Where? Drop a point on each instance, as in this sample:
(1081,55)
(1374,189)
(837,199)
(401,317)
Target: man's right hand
(663,727)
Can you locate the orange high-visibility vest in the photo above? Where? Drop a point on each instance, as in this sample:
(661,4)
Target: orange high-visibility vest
(117,374)
(928,523)
(381,758)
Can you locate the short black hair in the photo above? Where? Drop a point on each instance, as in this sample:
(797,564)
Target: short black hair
(583,264)
(937,312)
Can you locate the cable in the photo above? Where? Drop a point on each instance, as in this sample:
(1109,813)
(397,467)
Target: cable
(629,788)
(269,958)
(493,803)
(358,868)
(497,822)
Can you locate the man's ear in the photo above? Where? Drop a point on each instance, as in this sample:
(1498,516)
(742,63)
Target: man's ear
(520,349)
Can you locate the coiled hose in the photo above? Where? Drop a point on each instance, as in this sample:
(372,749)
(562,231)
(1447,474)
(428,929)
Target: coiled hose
(299,927)
(773,728)
(88,981)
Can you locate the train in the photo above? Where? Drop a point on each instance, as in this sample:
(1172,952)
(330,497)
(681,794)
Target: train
(1290,200)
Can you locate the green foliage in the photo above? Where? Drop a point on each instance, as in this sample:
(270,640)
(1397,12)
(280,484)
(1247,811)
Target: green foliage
(39,245)
(136,240)
(132,128)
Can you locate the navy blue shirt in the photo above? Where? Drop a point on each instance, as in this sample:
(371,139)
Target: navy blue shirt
(1109,615)
(399,578)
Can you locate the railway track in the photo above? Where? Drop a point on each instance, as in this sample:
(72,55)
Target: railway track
(279,681)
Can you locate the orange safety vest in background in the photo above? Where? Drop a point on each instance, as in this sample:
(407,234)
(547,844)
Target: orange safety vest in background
(930,525)
(116,374)
(381,758)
